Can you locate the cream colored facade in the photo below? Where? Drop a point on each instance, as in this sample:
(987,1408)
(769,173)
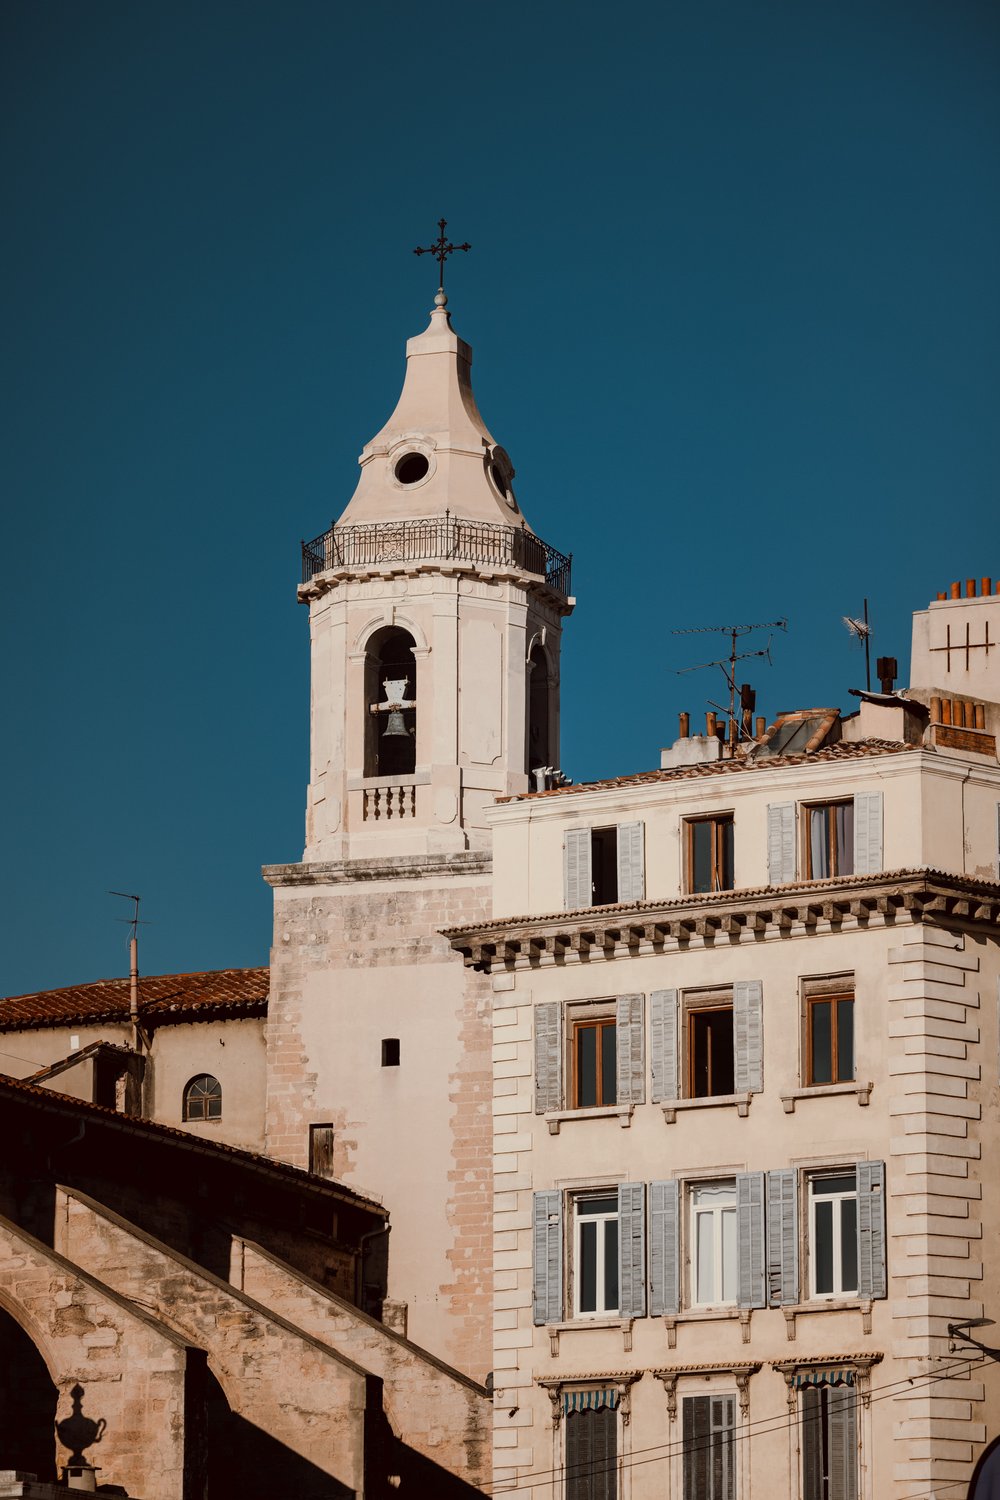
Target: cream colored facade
(910,938)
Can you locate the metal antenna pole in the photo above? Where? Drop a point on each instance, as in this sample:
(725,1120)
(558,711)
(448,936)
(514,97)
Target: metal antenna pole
(133,967)
(727,665)
(868,660)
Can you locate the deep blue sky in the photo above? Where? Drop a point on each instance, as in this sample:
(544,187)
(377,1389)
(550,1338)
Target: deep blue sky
(733,296)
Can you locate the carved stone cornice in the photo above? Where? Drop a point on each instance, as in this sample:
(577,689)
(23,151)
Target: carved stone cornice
(730,917)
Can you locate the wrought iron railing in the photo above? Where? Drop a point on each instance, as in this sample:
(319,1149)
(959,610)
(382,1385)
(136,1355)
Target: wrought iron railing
(429,537)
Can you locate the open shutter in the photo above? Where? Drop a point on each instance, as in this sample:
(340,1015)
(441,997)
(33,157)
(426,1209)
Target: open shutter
(547,1237)
(867,833)
(631,1053)
(664,1248)
(871,1229)
(663,1043)
(577,874)
(780,843)
(782,1236)
(842,1415)
(632,1249)
(748,1035)
(548,1056)
(751,1291)
(631,862)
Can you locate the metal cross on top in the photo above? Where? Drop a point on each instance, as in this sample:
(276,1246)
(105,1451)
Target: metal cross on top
(441,249)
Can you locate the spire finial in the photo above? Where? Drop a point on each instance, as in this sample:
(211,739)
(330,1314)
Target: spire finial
(440,250)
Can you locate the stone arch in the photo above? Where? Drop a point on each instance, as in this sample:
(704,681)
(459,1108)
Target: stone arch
(540,716)
(391,736)
(987,1472)
(390,618)
(29,1396)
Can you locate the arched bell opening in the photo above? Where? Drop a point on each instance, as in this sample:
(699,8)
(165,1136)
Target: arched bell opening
(390,704)
(540,748)
(28,1400)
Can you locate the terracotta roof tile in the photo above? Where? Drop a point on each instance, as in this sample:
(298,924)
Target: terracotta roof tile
(162,998)
(844,750)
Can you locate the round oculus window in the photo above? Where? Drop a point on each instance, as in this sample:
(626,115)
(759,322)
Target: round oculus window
(497,475)
(411,468)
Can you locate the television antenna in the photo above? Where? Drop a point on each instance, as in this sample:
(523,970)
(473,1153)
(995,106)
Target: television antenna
(727,664)
(133,963)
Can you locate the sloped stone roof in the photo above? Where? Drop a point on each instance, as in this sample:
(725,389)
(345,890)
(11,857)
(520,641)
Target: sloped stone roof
(163,998)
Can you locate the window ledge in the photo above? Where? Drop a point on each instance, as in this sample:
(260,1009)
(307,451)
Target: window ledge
(826,1091)
(620,1112)
(793,1310)
(741,1102)
(583,1325)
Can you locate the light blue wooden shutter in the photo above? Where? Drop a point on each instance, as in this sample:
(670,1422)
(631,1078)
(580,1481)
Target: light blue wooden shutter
(783,1236)
(631,862)
(842,1410)
(664,1248)
(663,1006)
(751,1291)
(780,843)
(871,1229)
(632,1249)
(812,1440)
(748,1035)
(867,833)
(577,874)
(548,1056)
(631,1052)
(547,1249)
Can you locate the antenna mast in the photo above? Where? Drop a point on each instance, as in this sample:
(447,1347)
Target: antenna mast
(133,966)
(727,664)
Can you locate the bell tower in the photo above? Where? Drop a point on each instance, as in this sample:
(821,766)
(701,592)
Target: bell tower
(435,617)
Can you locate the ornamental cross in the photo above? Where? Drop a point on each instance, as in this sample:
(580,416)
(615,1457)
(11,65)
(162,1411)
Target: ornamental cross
(967,645)
(441,249)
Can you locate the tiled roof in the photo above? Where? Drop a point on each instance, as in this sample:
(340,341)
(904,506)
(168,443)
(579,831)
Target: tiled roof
(845,750)
(19,1088)
(162,998)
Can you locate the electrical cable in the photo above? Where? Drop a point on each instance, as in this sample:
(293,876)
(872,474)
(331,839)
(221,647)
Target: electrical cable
(764,1426)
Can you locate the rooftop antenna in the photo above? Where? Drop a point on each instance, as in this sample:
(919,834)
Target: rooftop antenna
(862,631)
(133,965)
(727,664)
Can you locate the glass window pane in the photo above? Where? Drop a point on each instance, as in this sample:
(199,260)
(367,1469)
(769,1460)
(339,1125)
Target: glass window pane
(611,1265)
(847,1183)
(701,856)
(726,840)
(705,1258)
(586,1066)
(609,1063)
(822,1042)
(845,1040)
(844,813)
(819,843)
(588,1266)
(729,1255)
(823,1247)
(848,1244)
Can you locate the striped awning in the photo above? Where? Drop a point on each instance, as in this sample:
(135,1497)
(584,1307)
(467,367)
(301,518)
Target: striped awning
(601,1400)
(830,1375)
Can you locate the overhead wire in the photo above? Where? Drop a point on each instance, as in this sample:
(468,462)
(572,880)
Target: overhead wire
(661,1452)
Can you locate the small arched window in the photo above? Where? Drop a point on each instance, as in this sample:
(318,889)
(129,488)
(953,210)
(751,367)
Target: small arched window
(390,704)
(539,704)
(203,1098)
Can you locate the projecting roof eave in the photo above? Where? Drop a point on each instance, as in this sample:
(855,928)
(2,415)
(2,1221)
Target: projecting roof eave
(164,999)
(626,928)
(19,1091)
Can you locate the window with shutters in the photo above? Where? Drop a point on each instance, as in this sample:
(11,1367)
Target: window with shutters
(709,853)
(829,1418)
(708,1024)
(595,1256)
(829,1030)
(833,1235)
(592,1452)
(709,1453)
(603,866)
(828,832)
(713,1245)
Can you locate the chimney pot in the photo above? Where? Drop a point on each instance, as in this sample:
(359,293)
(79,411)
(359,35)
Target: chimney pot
(986,587)
(980,709)
(761,726)
(709,722)
(946,711)
(685,725)
(935,710)
(956,591)
(942,596)
(970,588)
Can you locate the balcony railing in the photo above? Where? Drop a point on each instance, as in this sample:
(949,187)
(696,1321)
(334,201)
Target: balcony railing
(431,537)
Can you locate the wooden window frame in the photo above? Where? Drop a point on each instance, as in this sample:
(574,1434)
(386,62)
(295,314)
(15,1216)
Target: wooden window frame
(831,813)
(812,1179)
(719,821)
(576,1202)
(697,1005)
(599,834)
(715,1214)
(596,1023)
(836,1076)
(206,1099)
(819,989)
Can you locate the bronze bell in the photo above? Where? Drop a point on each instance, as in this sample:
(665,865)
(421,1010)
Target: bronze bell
(394,725)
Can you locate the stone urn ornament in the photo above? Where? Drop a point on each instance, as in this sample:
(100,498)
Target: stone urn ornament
(77,1432)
